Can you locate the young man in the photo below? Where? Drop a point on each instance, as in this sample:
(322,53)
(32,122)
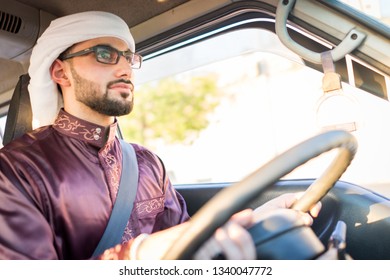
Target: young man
(58,184)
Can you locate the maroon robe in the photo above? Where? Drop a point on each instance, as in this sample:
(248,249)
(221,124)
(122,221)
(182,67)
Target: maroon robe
(58,185)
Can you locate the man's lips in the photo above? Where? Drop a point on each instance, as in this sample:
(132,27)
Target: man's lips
(122,86)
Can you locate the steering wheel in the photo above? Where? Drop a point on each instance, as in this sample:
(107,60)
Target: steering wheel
(230,200)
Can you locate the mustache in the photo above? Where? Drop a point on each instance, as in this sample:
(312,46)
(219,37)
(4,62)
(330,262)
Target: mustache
(125,81)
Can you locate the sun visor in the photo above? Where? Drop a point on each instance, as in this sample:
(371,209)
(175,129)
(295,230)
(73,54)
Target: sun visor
(20,26)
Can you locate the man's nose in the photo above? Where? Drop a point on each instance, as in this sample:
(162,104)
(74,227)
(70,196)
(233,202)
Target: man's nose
(124,68)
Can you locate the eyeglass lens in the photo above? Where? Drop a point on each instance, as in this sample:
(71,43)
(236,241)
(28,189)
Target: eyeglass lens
(108,55)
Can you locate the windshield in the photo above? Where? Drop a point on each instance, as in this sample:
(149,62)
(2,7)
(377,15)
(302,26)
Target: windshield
(215,114)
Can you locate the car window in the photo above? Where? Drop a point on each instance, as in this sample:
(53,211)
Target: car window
(216,110)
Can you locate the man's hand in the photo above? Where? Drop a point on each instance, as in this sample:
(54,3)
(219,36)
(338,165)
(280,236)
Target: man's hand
(286,201)
(232,240)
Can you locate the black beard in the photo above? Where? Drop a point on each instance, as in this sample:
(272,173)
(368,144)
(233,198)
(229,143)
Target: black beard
(109,107)
(89,94)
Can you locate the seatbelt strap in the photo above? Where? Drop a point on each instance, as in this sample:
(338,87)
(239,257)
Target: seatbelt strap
(124,201)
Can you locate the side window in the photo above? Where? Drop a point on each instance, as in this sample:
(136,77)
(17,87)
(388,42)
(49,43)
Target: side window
(216,110)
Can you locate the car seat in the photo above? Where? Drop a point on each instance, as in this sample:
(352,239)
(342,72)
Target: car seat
(19,118)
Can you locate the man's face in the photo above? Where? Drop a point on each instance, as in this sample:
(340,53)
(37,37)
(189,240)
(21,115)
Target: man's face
(106,89)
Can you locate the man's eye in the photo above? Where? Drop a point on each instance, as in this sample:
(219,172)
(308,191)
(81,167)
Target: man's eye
(104,54)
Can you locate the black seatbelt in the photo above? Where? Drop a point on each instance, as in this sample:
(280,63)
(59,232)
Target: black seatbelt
(124,200)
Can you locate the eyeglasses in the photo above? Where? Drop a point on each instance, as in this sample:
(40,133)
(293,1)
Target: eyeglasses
(108,55)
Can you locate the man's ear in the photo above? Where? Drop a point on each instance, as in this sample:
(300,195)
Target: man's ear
(58,73)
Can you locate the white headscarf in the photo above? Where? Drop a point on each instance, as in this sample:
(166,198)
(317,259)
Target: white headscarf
(62,33)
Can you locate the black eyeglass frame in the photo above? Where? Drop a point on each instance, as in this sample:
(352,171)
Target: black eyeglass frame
(125,54)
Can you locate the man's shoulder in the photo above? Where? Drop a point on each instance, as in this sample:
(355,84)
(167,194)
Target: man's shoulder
(28,139)
(145,154)
(140,148)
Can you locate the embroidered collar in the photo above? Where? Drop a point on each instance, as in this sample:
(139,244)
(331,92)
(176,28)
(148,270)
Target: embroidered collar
(80,129)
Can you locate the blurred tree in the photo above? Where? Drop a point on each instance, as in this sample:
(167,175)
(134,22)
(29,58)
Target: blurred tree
(171,110)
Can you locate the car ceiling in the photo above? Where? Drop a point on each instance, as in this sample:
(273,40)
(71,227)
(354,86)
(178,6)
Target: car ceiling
(133,12)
